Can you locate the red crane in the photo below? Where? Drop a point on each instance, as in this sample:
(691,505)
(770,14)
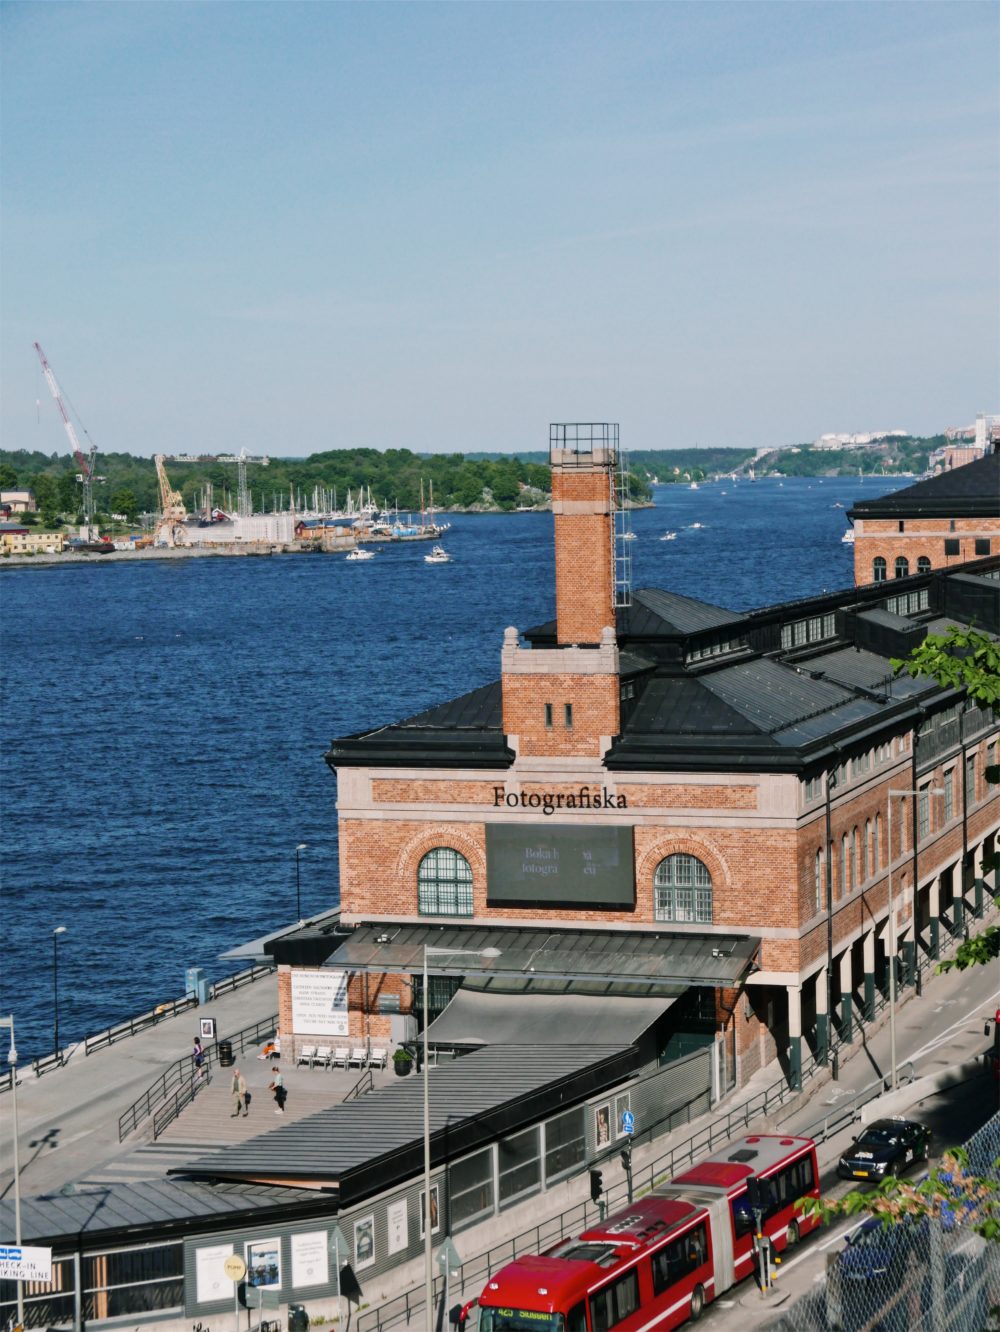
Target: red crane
(86,463)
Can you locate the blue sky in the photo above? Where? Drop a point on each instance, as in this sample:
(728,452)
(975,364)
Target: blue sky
(294,227)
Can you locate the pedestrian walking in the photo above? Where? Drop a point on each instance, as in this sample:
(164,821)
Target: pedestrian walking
(239,1091)
(277,1085)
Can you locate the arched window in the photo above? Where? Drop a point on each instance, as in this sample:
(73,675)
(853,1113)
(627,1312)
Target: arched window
(682,888)
(818,881)
(444,884)
(877,844)
(923,564)
(866,852)
(902,567)
(878,569)
(853,879)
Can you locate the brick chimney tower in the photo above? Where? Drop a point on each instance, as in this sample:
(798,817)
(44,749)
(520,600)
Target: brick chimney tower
(563,702)
(583,459)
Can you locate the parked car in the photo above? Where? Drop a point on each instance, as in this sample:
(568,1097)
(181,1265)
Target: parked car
(887,1147)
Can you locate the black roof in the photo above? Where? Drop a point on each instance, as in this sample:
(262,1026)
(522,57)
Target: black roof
(972,491)
(359,1147)
(774,689)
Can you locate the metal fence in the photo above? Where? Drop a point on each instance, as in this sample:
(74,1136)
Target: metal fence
(920,1275)
(178,1085)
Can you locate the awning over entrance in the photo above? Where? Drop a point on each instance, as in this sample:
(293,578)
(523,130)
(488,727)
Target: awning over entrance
(485,1017)
(632,957)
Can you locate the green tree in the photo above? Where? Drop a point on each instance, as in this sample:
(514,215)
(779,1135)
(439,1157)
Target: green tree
(124,501)
(8,477)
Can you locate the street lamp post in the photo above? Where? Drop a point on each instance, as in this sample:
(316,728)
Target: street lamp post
(928,791)
(430,951)
(302,846)
(12,1061)
(59,929)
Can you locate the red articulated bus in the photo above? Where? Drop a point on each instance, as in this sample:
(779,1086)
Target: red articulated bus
(662,1259)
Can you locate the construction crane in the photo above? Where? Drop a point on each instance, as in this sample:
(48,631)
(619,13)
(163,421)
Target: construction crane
(171,529)
(244,508)
(86,476)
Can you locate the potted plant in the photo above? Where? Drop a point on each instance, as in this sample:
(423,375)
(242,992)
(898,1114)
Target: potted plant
(402,1061)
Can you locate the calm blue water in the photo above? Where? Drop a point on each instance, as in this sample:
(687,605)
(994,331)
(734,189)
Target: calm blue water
(164,723)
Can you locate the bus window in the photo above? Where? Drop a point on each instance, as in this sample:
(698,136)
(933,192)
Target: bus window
(616,1301)
(518,1320)
(742,1217)
(577,1320)
(679,1259)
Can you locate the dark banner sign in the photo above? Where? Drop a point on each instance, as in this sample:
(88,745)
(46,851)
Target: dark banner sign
(560,865)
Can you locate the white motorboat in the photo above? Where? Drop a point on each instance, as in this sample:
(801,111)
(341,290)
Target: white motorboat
(669,536)
(361,554)
(438,555)
(848,538)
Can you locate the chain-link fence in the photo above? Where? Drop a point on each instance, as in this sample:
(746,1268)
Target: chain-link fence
(917,1275)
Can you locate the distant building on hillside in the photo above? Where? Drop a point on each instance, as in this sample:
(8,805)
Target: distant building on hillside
(18,501)
(987,430)
(857,441)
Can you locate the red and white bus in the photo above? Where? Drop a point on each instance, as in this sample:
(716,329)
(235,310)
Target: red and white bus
(662,1259)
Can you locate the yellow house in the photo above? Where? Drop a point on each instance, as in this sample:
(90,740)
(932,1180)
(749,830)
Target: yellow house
(26,541)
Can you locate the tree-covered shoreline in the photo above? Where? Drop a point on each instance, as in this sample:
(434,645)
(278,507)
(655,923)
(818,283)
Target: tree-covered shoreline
(399,477)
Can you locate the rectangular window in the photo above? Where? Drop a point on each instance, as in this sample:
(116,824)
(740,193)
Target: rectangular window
(982,545)
(679,1259)
(924,811)
(470,1188)
(951,546)
(615,1302)
(902,525)
(568,714)
(565,1144)
(548,716)
(519,1166)
(970,778)
(949,795)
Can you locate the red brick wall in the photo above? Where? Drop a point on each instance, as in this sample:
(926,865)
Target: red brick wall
(584,571)
(595,703)
(921,536)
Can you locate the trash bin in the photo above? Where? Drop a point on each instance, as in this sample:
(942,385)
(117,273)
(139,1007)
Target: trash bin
(298,1319)
(225,1053)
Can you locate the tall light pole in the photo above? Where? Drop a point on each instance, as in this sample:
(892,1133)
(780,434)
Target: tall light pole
(59,929)
(928,791)
(429,951)
(302,846)
(12,1061)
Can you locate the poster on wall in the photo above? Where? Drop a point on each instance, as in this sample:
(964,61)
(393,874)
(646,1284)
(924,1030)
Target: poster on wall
(211,1281)
(264,1263)
(623,1103)
(364,1242)
(435,1213)
(396,1238)
(310,1260)
(602,1125)
(319,1002)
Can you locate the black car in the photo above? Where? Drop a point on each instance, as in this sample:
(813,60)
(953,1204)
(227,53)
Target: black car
(887,1147)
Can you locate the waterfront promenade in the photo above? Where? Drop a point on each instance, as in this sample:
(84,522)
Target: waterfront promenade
(68,1118)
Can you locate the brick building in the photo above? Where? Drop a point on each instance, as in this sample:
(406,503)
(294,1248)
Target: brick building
(661,799)
(935,524)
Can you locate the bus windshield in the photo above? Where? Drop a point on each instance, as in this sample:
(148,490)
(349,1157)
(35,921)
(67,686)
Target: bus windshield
(519,1320)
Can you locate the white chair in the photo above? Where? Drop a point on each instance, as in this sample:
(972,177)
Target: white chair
(323,1056)
(359,1057)
(378,1059)
(306,1055)
(340,1057)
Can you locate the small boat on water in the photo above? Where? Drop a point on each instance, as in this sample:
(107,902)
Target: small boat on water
(693,485)
(628,536)
(359,553)
(848,538)
(438,555)
(697,524)
(669,536)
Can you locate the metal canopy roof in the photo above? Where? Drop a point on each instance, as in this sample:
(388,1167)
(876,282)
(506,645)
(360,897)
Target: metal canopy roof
(657,957)
(487,1017)
(360,1147)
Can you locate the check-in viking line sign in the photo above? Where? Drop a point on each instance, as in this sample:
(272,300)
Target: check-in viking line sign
(587,799)
(19,1262)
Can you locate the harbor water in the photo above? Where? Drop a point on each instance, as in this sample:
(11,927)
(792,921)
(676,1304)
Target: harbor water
(165,721)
